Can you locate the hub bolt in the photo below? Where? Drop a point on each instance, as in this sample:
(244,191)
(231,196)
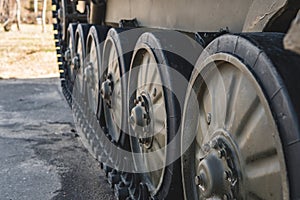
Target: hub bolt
(88,72)
(214,144)
(222,153)
(208,118)
(227,175)
(68,55)
(200,180)
(227,197)
(154,92)
(76,62)
(107,90)
(206,148)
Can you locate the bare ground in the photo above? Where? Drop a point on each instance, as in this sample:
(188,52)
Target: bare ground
(28,53)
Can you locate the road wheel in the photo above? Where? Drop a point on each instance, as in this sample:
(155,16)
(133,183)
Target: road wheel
(115,65)
(155,114)
(117,52)
(236,137)
(93,67)
(78,61)
(69,55)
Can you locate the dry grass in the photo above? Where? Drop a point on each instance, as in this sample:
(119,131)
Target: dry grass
(28,53)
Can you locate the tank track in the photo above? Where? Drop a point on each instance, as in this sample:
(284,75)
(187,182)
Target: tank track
(123,184)
(95,136)
(59,49)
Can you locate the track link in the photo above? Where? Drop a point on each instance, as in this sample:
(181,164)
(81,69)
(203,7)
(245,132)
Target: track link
(90,131)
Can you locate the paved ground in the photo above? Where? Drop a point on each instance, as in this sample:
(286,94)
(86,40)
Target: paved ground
(41,156)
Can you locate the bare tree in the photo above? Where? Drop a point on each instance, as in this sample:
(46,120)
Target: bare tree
(13,10)
(3,10)
(44,15)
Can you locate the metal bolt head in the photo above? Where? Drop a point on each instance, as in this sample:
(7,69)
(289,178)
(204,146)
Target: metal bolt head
(131,119)
(214,144)
(206,147)
(67,55)
(208,118)
(145,129)
(227,175)
(227,196)
(222,153)
(76,62)
(200,180)
(145,116)
(154,92)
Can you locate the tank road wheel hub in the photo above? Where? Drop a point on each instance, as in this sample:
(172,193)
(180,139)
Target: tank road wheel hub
(107,90)
(140,120)
(148,118)
(217,171)
(113,86)
(76,62)
(235,152)
(88,73)
(68,57)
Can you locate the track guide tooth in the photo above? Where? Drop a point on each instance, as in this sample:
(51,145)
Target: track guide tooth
(60,60)
(61,67)
(121,191)
(61,75)
(55,27)
(58,51)
(57,43)
(126,177)
(106,169)
(133,187)
(54,14)
(57,36)
(143,192)
(54,2)
(113,178)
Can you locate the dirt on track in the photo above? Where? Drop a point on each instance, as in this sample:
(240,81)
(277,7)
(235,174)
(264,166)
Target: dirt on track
(28,53)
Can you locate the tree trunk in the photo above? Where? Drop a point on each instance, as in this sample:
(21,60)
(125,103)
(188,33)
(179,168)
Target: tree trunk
(44,15)
(35,7)
(18,2)
(13,13)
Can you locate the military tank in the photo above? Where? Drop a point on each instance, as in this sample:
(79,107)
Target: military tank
(184,99)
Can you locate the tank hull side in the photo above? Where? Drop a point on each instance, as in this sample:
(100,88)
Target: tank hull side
(196,15)
(292,39)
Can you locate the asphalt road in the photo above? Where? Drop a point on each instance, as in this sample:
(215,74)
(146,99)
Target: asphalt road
(41,156)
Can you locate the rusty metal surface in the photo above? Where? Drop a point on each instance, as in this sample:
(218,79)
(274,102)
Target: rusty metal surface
(193,15)
(292,39)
